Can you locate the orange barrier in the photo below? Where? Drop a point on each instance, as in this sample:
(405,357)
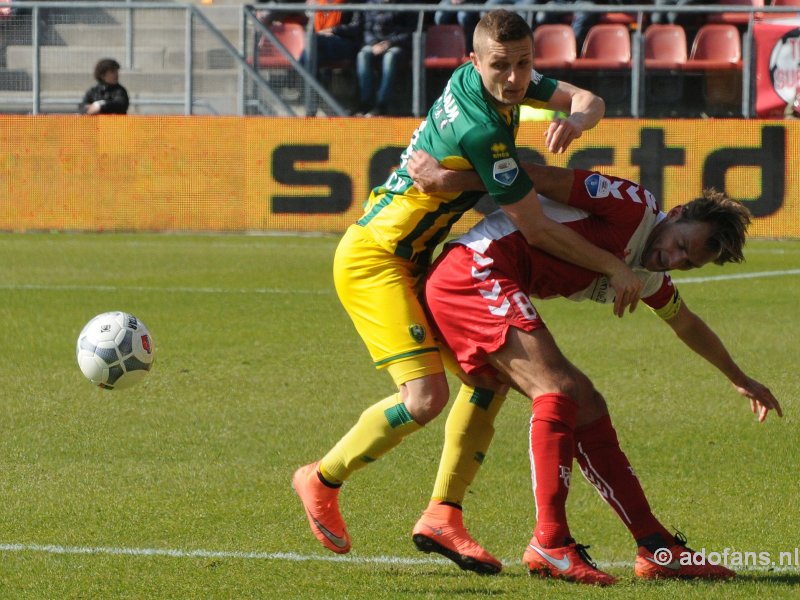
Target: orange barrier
(265,174)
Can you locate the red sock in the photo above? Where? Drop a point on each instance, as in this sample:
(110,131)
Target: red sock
(607,468)
(552,449)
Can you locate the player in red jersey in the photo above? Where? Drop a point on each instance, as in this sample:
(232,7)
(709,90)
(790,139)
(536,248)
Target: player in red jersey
(478,296)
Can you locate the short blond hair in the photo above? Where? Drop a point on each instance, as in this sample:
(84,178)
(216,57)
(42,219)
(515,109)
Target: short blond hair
(501,26)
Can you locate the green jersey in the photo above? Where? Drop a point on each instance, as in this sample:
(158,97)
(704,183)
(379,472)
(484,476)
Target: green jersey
(465,131)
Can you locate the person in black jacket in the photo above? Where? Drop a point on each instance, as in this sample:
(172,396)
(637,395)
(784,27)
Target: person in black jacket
(108,97)
(387,42)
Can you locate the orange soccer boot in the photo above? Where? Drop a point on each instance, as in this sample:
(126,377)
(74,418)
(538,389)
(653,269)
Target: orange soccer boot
(322,508)
(441,529)
(676,561)
(570,562)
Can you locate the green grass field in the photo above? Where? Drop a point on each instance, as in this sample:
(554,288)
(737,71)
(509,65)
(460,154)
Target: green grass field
(179,488)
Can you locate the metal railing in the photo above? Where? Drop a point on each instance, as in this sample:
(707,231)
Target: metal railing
(637,104)
(214,68)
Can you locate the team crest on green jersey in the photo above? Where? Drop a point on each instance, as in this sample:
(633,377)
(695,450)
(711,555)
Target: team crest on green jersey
(417,332)
(505,171)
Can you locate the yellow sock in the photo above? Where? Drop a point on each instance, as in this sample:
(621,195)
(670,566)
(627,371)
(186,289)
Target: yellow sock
(379,429)
(467,435)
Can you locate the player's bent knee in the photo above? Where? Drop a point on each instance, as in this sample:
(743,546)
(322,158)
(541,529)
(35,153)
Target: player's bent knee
(592,410)
(577,386)
(426,397)
(565,386)
(597,406)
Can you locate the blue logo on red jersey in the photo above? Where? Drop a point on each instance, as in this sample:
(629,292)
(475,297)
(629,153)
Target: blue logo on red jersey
(597,186)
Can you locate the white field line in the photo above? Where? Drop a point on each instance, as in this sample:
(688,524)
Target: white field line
(217,290)
(759,250)
(177,553)
(179,290)
(754,275)
(292,556)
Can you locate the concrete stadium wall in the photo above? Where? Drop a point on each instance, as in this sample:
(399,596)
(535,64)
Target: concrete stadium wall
(142,173)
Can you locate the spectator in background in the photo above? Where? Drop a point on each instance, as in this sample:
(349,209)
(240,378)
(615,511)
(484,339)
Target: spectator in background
(268,16)
(339,34)
(387,44)
(525,14)
(581,21)
(468,20)
(673,18)
(108,97)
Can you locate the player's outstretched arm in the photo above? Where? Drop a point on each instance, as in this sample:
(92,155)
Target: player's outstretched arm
(584,109)
(697,335)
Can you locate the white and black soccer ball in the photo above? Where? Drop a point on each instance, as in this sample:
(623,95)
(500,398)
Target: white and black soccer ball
(115,350)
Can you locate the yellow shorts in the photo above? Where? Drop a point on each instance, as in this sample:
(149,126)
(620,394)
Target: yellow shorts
(380,293)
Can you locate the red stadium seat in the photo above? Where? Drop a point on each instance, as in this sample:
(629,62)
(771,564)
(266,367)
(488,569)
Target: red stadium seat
(554,47)
(665,53)
(445,47)
(736,18)
(607,47)
(604,66)
(664,47)
(717,54)
(716,47)
(291,36)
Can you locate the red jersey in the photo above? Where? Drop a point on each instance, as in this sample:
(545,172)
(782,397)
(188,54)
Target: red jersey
(481,283)
(612,213)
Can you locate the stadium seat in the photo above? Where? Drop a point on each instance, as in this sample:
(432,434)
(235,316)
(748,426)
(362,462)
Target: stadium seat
(445,47)
(291,35)
(554,47)
(665,53)
(604,66)
(736,18)
(607,47)
(716,47)
(717,55)
(665,47)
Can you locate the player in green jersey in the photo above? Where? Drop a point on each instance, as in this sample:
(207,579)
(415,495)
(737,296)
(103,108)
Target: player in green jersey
(382,258)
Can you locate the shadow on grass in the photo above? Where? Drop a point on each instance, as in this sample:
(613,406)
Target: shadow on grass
(791,579)
(457,583)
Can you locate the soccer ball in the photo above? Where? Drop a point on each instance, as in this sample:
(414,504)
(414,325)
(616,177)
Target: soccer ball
(115,350)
